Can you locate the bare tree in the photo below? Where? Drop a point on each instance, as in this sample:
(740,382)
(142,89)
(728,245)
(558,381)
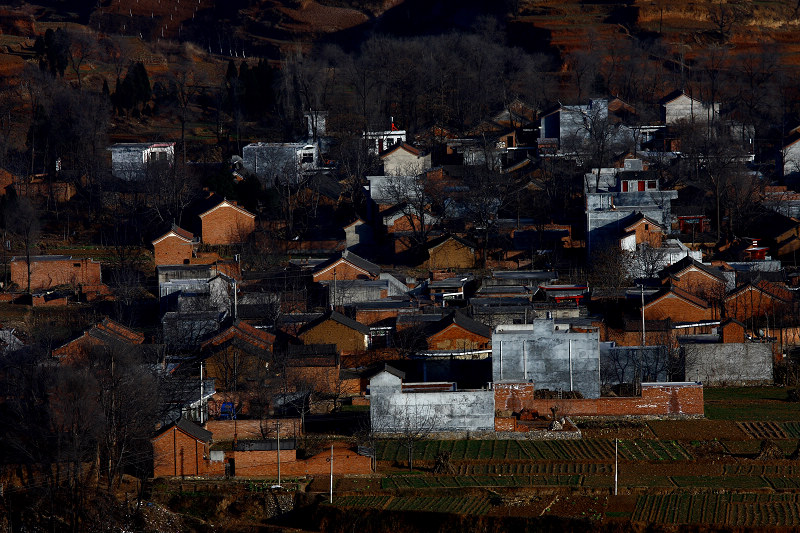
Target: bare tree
(22,220)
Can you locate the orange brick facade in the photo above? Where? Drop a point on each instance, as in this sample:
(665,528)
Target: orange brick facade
(455,337)
(49,273)
(678,309)
(700,284)
(347,340)
(753,303)
(176,453)
(173,250)
(223,430)
(451,254)
(227,224)
(647,233)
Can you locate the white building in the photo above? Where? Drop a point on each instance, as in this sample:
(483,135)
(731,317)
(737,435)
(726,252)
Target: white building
(131,161)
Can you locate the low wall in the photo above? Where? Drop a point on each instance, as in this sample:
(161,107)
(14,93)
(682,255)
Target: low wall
(661,399)
(265,463)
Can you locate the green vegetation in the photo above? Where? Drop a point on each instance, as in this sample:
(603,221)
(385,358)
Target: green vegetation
(750,403)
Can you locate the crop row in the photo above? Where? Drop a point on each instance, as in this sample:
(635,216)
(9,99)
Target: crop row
(557,450)
(448,504)
(730,509)
(370,502)
(528,468)
(763,430)
(745,469)
(450,482)
(792,429)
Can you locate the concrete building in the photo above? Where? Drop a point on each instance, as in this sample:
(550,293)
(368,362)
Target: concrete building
(397,407)
(552,356)
(280,162)
(403,160)
(131,161)
(378,141)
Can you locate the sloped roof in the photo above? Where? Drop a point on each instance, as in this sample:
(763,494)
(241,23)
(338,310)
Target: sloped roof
(190,428)
(243,335)
(226,203)
(338,318)
(635,218)
(770,289)
(353,259)
(438,241)
(680,293)
(178,232)
(687,262)
(404,146)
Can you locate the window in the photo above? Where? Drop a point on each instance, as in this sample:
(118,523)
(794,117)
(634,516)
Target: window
(307,157)
(651,184)
(76,265)
(624,186)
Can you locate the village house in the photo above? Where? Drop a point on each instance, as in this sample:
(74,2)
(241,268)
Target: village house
(333,327)
(757,300)
(694,277)
(107,333)
(457,333)
(49,271)
(678,305)
(450,252)
(404,160)
(347,266)
(133,161)
(227,223)
(237,357)
(175,247)
(677,106)
(280,162)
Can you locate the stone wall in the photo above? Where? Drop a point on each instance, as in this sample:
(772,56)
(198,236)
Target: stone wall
(729,364)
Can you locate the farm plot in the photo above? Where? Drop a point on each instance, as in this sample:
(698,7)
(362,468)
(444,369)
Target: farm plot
(450,482)
(529,468)
(447,504)
(730,509)
(369,502)
(745,469)
(792,429)
(721,482)
(763,430)
(586,450)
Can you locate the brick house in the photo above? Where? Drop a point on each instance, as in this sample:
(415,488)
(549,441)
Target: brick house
(347,266)
(695,278)
(181,449)
(450,251)
(641,230)
(332,327)
(757,299)
(227,223)
(677,305)
(49,271)
(175,247)
(105,333)
(236,356)
(457,332)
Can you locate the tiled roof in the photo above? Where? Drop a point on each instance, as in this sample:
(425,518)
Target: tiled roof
(339,318)
(463,321)
(680,293)
(353,259)
(687,262)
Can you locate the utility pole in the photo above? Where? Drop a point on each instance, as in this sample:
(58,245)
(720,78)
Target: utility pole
(278,433)
(331,461)
(643,336)
(616,467)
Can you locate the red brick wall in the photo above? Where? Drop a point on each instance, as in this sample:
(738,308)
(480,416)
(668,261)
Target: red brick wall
(677,309)
(172,251)
(658,401)
(371,316)
(227,225)
(513,397)
(223,430)
(455,337)
(49,274)
(733,332)
(175,453)
(505,424)
(752,303)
